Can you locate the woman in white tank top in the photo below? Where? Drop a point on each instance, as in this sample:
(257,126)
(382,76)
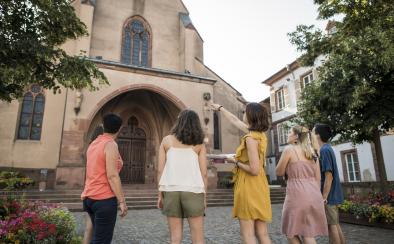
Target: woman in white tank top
(182,177)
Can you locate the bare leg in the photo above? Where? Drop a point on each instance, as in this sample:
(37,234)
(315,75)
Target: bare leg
(261,231)
(247,231)
(176,229)
(309,240)
(88,234)
(294,240)
(197,229)
(333,234)
(341,235)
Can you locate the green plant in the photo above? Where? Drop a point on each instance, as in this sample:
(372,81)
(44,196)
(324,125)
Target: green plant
(353,91)
(32,36)
(36,222)
(225,182)
(10,180)
(64,221)
(374,213)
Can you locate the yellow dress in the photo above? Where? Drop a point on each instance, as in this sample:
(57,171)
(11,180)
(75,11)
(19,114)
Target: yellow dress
(251,193)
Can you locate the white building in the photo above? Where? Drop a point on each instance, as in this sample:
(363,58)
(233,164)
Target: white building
(356,163)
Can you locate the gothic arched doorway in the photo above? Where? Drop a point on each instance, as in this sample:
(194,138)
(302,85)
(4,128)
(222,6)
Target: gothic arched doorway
(147,117)
(132,148)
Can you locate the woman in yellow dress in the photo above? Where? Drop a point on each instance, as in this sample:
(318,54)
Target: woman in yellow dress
(252,204)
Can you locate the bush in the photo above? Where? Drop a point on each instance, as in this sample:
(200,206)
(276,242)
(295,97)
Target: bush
(225,182)
(374,213)
(381,198)
(35,222)
(14,181)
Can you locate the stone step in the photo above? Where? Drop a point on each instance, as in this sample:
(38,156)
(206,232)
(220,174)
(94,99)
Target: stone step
(77,207)
(59,198)
(131,193)
(127,191)
(143,198)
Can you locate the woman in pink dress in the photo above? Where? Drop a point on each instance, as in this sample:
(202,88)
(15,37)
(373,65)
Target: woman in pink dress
(303,215)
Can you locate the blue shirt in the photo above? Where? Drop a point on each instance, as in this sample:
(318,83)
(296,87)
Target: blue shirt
(328,163)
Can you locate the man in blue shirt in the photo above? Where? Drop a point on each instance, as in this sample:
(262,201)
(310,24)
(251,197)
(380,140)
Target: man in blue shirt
(330,183)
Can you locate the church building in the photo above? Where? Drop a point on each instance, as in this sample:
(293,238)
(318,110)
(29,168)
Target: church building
(153,58)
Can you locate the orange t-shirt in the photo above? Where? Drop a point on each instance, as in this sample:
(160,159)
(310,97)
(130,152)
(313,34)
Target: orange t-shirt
(97,186)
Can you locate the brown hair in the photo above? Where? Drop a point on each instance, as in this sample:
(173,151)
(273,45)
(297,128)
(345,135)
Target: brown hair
(304,141)
(187,128)
(257,117)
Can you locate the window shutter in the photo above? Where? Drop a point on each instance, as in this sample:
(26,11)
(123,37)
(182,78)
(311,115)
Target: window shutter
(273,100)
(297,85)
(286,95)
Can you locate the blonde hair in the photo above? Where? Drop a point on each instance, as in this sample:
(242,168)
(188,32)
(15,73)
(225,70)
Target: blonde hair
(304,141)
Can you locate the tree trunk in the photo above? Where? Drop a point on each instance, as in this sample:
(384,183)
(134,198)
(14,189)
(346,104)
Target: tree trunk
(380,161)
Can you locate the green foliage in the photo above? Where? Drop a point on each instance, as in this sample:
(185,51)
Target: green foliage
(374,213)
(354,90)
(14,181)
(63,219)
(31,35)
(24,221)
(226,182)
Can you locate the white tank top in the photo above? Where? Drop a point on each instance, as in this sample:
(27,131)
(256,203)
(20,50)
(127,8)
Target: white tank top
(182,171)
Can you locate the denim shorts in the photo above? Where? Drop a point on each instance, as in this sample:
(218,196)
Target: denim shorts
(181,204)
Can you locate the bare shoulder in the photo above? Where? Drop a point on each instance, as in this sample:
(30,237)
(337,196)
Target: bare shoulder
(167,140)
(200,148)
(288,149)
(111,146)
(251,141)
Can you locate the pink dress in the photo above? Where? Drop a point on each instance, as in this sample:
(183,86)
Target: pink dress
(303,211)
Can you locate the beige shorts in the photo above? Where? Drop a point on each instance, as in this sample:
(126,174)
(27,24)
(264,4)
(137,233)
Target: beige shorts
(332,214)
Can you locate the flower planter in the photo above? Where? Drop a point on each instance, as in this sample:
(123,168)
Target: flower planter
(351,219)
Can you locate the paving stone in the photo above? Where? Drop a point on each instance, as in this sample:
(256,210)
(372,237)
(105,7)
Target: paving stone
(150,227)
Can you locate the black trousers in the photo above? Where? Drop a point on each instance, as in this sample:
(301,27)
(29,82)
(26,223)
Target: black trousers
(103,216)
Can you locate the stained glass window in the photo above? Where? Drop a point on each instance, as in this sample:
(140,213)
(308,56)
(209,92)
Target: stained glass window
(32,113)
(136,43)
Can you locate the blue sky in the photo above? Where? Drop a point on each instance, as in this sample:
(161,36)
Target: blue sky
(245,41)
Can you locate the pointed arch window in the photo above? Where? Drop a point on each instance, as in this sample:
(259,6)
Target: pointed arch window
(31,115)
(136,43)
(216,132)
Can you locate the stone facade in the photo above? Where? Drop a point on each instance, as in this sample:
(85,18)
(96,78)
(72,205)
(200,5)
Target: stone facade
(172,78)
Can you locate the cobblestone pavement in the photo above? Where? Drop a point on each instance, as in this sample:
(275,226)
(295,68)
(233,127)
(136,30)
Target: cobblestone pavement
(149,227)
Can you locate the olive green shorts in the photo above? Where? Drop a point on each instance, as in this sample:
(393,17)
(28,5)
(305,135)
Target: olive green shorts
(181,204)
(332,214)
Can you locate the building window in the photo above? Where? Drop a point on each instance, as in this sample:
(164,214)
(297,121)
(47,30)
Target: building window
(283,131)
(136,42)
(216,131)
(280,99)
(307,79)
(32,113)
(352,166)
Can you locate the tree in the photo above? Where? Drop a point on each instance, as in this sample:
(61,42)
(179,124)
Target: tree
(31,33)
(354,91)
